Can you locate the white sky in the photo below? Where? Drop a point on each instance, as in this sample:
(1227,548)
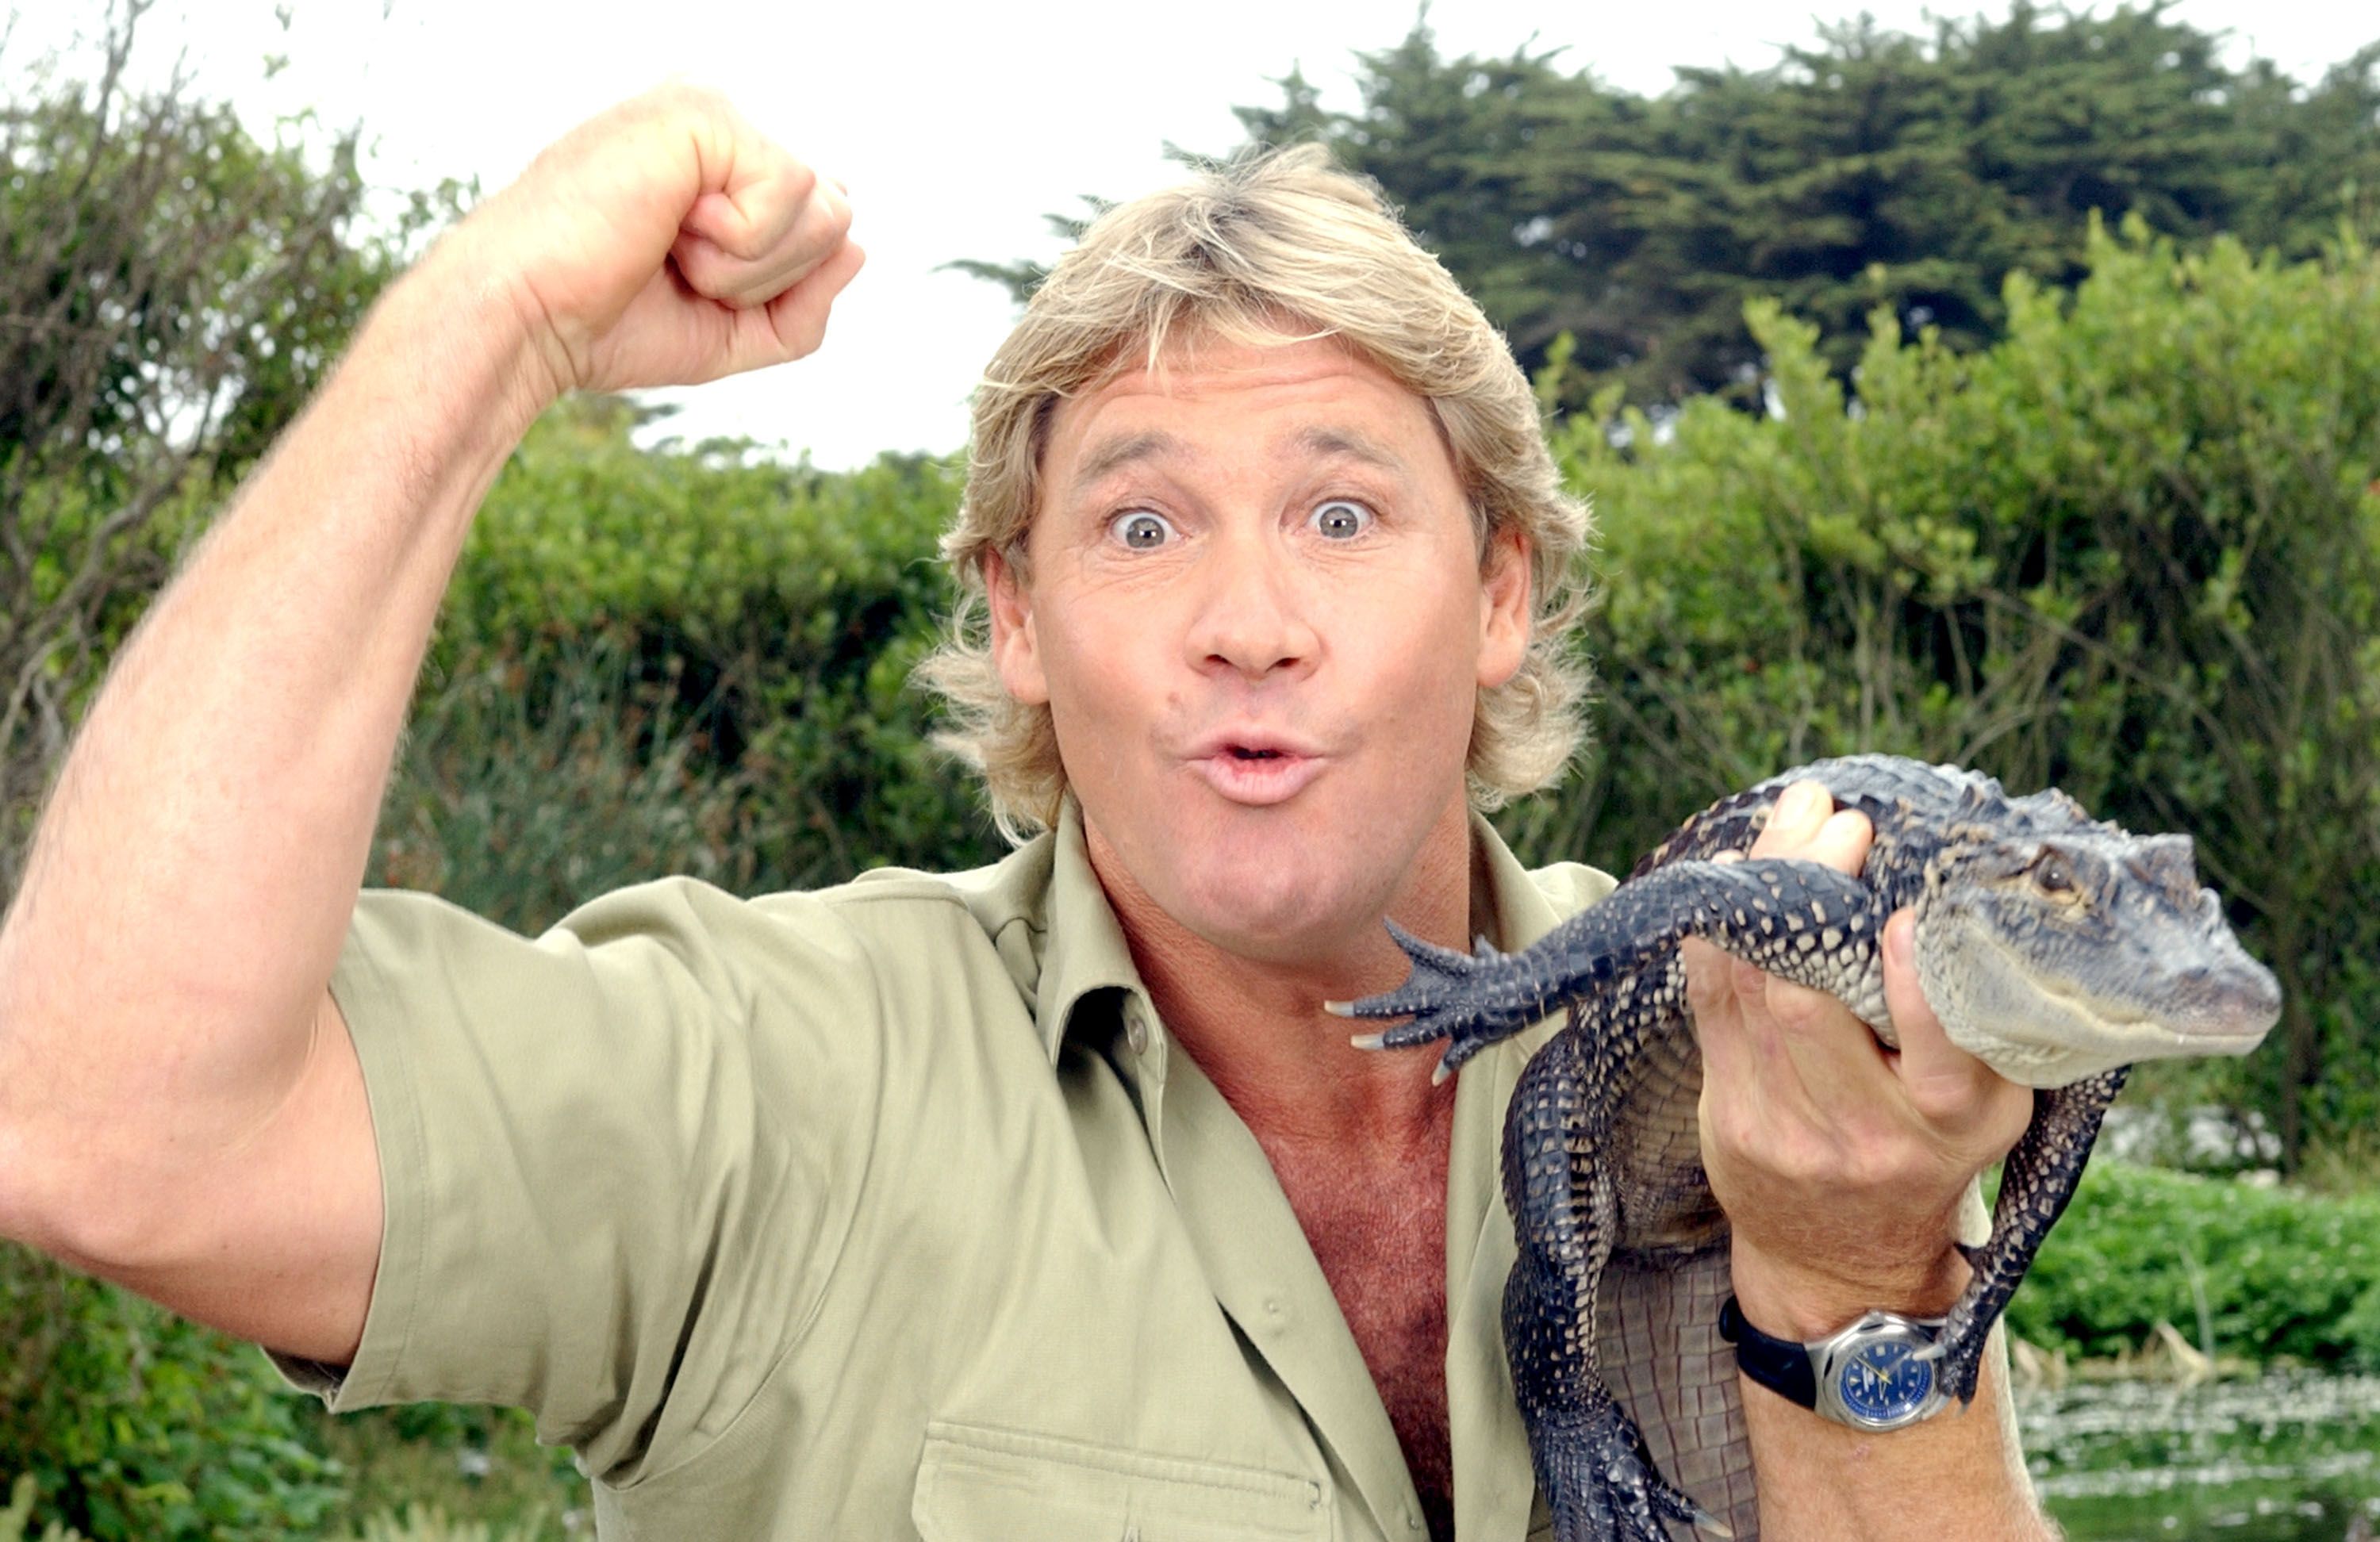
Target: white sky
(956,125)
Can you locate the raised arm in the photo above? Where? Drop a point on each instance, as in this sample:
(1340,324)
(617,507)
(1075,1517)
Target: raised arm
(180,1106)
(1842,1168)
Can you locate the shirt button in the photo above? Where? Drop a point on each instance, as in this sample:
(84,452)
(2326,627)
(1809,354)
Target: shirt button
(1135,1028)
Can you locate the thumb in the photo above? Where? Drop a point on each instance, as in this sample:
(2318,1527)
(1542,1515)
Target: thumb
(1943,1082)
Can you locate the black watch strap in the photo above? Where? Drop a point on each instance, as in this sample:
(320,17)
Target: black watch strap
(1780,1364)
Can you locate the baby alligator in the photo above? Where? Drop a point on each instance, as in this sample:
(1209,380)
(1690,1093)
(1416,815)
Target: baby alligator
(2056,948)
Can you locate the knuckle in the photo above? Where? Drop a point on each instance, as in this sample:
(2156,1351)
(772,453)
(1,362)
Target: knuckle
(836,223)
(1805,1158)
(1800,1010)
(796,180)
(700,263)
(692,96)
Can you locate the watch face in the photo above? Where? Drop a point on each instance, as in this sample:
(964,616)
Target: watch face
(1882,1382)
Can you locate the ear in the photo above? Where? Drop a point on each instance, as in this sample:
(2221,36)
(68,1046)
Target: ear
(1503,608)
(1016,648)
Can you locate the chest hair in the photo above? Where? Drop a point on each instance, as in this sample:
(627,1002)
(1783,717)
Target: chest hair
(1380,1238)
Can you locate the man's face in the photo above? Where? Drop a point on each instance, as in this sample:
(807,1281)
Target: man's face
(1257,612)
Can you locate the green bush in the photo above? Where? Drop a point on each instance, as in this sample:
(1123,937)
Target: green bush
(428,1523)
(2282,1273)
(139,1426)
(17,1519)
(757,620)
(2129,550)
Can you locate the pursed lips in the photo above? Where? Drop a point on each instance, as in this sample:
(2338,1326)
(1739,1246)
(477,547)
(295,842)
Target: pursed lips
(1255,769)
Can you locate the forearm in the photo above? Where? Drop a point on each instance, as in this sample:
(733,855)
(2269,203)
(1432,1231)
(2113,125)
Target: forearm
(1956,1474)
(190,881)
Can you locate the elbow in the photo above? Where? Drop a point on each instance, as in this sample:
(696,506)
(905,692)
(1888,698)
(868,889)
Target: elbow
(54,1197)
(53,1205)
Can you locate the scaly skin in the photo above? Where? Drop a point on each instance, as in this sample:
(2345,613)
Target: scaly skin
(2100,942)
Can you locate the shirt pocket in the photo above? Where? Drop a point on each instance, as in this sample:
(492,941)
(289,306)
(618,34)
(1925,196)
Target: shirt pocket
(977,1483)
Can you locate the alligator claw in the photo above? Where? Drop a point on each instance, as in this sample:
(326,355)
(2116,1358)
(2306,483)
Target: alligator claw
(1600,1482)
(1439,1000)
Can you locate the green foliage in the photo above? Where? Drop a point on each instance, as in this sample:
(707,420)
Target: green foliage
(712,651)
(17,1518)
(171,289)
(467,1461)
(2129,550)
(1871,168)
(139,1427)
(2282,1273)
(428,1523)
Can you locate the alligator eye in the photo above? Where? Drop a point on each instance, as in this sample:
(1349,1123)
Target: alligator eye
(2052,874)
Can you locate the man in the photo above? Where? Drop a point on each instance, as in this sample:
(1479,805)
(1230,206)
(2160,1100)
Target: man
(1039,1201)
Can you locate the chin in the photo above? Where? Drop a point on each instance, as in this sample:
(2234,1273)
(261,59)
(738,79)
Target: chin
(1281,893)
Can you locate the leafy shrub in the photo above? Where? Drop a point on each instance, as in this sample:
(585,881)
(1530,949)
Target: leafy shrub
(519,793)
(766,615)
(142,1427)
(2132,549)
(428,1523)
(16,1516)
(2282,1272)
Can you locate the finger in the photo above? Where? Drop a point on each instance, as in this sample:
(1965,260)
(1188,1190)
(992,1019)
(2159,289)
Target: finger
(797,318)
(747,221)
(1841,841)
(745,254)
(1709,976)
(1793,818)
(1946,1085)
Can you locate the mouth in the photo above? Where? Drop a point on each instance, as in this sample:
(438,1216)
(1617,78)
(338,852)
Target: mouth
(1256,772)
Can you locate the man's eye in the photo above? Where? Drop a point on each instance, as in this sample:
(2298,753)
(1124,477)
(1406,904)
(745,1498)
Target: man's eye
(1140,530)
(1341,519)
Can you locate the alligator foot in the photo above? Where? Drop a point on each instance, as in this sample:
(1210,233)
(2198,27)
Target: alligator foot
(1600,1482)
(1444,996)
(2036,1184)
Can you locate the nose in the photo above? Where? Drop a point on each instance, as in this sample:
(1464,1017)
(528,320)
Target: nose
(1252,610)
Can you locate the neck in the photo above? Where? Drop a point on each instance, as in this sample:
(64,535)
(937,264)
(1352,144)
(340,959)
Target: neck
(1257,1027)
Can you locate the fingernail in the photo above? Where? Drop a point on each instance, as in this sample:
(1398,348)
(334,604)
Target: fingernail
(1898,933)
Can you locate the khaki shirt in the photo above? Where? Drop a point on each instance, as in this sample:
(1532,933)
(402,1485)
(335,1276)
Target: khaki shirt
(888,1211)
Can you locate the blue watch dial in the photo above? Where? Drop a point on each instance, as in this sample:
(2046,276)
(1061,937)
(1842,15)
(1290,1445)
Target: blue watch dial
(1883,1381)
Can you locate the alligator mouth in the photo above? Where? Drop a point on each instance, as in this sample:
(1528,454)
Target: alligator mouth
(2132,1027)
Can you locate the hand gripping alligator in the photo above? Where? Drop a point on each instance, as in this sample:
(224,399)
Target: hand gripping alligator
(2056,948)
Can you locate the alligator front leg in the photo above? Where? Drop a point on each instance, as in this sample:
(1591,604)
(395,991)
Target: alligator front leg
(1801,920)
(2036,1182)
(1589,1455)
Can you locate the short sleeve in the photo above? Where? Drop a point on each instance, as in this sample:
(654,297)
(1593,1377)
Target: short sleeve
(615,1159)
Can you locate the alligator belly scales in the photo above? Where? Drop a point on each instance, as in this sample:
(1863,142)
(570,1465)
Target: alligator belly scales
(2056,948)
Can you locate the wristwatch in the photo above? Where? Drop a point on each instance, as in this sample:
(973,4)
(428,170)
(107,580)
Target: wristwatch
(1867,1376)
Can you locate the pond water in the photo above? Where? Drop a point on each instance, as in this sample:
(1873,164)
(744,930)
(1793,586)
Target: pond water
(2292,1457)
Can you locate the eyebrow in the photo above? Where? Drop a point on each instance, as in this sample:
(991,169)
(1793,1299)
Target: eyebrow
(1157,445)
(1350,445)
(1153,445)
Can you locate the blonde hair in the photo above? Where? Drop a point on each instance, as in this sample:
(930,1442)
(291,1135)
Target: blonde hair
(1267,248)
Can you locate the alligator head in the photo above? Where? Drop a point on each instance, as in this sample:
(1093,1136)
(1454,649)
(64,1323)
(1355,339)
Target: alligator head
(2055,956)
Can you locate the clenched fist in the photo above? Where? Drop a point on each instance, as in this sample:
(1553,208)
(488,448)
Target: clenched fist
(664,242)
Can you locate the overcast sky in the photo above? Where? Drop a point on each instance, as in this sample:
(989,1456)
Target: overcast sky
(956,125)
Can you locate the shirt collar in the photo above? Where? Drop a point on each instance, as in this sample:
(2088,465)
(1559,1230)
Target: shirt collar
(1083,950)
(1084,953)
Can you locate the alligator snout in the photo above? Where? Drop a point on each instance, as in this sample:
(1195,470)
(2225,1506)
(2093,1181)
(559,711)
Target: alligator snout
(2235,998)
